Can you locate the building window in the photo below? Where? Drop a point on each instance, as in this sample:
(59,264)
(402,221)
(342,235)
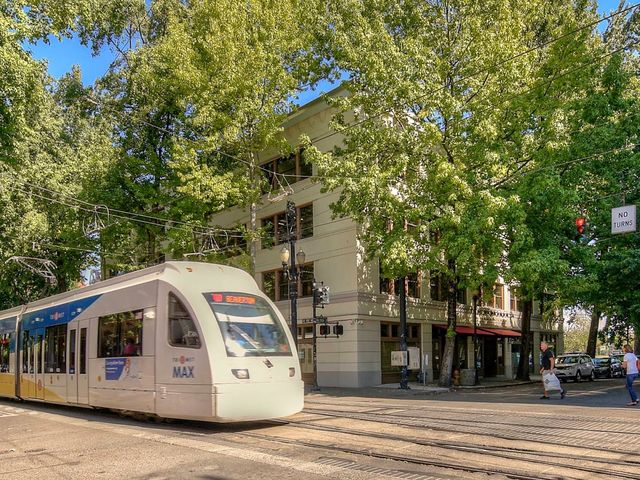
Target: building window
(182,328)
(120,334)
(391,330)
(285,170)
(275,283)
(461,296)
(274,228)
(392,286)
(438,287)
(515,304)
(497,300)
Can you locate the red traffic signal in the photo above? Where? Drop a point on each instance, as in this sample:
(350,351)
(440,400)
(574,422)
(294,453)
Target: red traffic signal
(580,224)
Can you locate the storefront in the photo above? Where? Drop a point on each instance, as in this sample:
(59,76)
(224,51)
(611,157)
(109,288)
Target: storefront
(493,349)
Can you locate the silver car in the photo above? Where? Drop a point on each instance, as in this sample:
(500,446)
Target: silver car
(574,366)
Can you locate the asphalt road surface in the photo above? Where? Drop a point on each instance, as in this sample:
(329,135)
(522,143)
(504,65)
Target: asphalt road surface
(496,433)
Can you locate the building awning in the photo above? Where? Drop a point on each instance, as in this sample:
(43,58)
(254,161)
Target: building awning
(503,332)
(464,330)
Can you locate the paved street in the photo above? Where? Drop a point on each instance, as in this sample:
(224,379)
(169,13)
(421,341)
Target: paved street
(504,432)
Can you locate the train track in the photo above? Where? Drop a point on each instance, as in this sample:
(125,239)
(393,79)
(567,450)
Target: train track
(507,473)
(505,430)
(510,453)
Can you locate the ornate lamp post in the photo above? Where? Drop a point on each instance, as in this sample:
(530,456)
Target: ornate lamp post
(293,273)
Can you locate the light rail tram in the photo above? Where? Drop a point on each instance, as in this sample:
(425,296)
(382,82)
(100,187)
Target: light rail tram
(183,340)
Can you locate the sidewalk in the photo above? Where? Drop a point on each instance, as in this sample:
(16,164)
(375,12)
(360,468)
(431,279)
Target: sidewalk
(415,388)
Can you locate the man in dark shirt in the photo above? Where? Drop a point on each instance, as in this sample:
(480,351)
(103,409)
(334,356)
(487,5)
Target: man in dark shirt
(548,364)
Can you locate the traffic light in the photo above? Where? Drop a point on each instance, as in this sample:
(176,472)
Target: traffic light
(324,330)
(324,295)
(320,296)
(338,330)
(581,223)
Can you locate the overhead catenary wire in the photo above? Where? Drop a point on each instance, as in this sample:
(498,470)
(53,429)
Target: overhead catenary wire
(166,223)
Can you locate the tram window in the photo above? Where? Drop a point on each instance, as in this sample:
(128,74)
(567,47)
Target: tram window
(120,334)
(72,352)
(54,349)
(38,352)
(83,351)
(27,358)
(5,342)
(182,328)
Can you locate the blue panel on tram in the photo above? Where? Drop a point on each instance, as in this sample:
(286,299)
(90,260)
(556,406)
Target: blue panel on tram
(58,314)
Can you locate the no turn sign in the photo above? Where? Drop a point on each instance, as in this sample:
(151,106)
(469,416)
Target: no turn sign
(623,219)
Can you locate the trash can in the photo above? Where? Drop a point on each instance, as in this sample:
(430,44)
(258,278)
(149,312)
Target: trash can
(467,377)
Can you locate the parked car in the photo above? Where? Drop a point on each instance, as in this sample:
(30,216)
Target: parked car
(607,367)
(620,357)
(575,366)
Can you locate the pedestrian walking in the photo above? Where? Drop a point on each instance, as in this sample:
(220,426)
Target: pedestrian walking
(549,379)
(630,364)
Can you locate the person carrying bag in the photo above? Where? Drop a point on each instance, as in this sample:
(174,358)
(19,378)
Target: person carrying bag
(549,380)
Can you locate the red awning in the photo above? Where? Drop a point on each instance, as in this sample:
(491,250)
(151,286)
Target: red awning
(464,330)
(503,332)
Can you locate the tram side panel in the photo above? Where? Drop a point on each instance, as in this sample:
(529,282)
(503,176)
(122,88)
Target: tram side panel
(121,345)
(183,372)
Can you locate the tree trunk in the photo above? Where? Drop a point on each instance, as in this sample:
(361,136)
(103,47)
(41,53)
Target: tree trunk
(446,366)
(593,333)
(523,364)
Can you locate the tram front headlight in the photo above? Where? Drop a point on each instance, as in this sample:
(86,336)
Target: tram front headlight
(241,373)
(292,371)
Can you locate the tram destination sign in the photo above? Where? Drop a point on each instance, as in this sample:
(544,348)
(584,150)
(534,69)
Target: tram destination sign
(623,219)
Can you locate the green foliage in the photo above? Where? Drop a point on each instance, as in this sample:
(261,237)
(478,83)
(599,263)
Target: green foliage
(52,145)
(207,88)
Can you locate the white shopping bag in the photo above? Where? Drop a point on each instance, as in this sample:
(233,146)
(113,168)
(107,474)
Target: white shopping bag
(551,382)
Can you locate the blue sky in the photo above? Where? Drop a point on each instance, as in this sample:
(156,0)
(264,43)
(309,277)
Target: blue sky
(62,55)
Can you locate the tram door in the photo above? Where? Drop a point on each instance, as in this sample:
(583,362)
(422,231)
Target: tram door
(32,384)
(27,366)
(39,361)
(72,355)
(77,378)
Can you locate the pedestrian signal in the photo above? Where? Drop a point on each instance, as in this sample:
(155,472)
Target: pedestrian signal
(338,330)
(324,330)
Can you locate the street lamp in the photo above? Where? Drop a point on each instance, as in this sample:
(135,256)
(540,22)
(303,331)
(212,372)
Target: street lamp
(474,314)
(293,273)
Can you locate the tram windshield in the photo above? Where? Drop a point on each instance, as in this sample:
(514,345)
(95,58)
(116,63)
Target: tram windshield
(248,325)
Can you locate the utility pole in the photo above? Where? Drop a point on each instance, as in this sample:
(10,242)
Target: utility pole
(404,375)
(293,271)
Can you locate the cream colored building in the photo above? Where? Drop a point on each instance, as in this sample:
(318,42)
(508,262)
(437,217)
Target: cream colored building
(360,298)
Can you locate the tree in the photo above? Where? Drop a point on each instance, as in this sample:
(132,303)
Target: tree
(51,147)
(203,89)
(448,99)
